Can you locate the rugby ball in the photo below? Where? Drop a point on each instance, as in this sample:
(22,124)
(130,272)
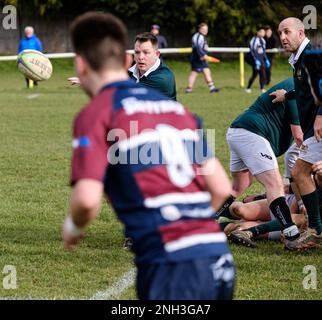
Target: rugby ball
(34,65)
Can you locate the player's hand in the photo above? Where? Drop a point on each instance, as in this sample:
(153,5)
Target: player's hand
(298,141)
(71,234)
(267,64)
(297,134)
(257,64)
(317,168)
(73,80)
(318,128)
(279,95)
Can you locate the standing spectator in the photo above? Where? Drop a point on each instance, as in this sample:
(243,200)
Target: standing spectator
(162,41)
(260,61)
(149,70)
(30,41)
(271,43)
(199,59)
(165,204)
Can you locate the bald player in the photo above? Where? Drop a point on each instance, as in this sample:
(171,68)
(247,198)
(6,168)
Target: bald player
(292,35)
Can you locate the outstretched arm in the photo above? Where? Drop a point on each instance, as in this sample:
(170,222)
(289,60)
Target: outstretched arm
(85,205)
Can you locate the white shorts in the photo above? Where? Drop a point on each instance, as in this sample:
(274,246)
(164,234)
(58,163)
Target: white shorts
(250,151)
(312,151)
(291,155)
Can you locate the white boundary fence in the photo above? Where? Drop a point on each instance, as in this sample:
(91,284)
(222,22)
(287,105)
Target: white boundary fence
(239,50)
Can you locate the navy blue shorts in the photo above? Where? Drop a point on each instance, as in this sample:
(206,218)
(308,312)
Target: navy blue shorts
(199,65)
(210,278)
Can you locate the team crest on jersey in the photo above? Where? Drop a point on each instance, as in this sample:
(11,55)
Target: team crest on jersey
(299,74)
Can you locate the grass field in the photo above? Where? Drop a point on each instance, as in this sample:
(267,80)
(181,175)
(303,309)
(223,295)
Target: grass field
(35,152)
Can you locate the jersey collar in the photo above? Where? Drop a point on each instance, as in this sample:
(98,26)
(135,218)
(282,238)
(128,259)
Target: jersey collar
(123,83)
(135,71)
(294,57)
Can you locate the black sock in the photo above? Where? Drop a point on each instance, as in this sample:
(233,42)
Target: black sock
(224,210)
(281,211)
(311,203)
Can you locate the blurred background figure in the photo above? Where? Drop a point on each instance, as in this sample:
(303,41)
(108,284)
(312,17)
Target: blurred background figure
(199,59)
(271,43)
(260,63)
(162,41)
(30,41)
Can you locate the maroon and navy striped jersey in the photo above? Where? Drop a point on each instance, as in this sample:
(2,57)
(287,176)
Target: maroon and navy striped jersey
(148,150)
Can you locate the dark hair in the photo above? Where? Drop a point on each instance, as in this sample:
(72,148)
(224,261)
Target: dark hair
(101,39)
(267,27)
(147,36)
(202,24)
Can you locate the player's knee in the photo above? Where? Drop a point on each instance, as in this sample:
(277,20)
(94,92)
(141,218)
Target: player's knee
(299,173)
(236,209)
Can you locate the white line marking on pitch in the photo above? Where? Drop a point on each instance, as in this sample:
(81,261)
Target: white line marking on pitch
(126,281)
(34,96)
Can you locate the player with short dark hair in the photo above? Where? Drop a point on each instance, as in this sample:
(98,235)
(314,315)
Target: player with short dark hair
(146,152)
(149,70)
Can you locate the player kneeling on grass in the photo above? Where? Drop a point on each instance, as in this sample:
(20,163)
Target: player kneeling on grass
(166,204)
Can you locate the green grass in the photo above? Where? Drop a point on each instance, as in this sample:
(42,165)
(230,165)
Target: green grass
(35,155)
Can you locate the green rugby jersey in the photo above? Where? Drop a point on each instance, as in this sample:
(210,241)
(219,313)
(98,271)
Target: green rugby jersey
(161,79)
(271,120)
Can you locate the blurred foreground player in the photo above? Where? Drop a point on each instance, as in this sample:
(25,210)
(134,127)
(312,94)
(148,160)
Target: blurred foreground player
(165,198)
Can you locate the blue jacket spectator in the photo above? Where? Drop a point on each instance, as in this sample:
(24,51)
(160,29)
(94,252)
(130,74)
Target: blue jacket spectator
(30,41)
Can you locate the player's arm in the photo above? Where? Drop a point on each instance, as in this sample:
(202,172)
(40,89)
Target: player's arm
(294,120)
(318,125)
(282,95)
(297,134)
(85,205)
(203,54)
(217,182)
(89,164)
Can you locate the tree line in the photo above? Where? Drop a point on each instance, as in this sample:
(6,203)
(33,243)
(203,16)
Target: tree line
(230,21)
